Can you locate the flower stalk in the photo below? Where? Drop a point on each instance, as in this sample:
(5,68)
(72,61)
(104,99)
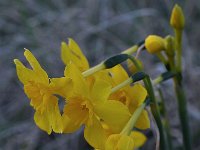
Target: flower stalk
(91,71)
(165,120)
(108,63)
(153,105)
(130,50)
(177,21)
(134,78)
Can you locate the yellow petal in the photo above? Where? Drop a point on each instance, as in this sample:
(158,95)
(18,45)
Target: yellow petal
(118,74)
(35,92)
(119,142)
(138,138)
(100,91)
(49,117)
(111,143)
(72,52)
(143,121)
(114,113)
(42,121)
(61,86)
(79,83)
(125,143)
(105,75)
(36,67)
(68,125)
(24,74)
(77,110)
(54,115)
(95,134)
(138,93)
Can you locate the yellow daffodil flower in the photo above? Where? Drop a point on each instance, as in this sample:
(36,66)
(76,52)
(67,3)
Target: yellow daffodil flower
(72,52)
(40,89)
(114,77)
(131,96)
(88,105)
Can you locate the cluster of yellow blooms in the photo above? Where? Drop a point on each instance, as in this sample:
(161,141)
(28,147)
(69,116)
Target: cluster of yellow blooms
(108,114)
(89,101)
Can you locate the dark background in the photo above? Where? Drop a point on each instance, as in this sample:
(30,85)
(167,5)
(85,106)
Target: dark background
(102,28)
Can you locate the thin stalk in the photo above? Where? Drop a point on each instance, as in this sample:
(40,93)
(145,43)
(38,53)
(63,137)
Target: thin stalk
(153,105)
(165,121)
(121,85)
(183,114)
(156,112)
(178,39)
(162,58)
(93,70)
(130,50)
(180,94)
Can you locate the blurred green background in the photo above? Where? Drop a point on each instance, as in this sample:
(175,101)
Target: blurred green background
(102,28)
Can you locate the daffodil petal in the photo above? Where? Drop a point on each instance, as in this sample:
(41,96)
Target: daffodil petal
(118,74)
(95,135)
(143,121)
(72,52)
(41,120)
(111,143)
(125,143)
(79,83)
(138,93)
(119,142)
(100,91)
(61,86)
(24,74)
(36,67)
(138,138)
(82,59)
(68,125)
(54,115)
(114,113)
(49,117)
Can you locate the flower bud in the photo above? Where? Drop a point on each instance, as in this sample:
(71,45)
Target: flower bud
(170,45)
(154,44)
(177,19)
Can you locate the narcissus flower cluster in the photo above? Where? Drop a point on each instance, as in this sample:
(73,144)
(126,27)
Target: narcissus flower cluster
(104,100)
(89,101)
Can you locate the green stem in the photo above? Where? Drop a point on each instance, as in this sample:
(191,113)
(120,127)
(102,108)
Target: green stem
(171,63)
(183,114)
(178,39)
(162,58)
(130,50)
(182,103)
(165,121)
(153,105)
(121,85)
(93,70)
(156,112)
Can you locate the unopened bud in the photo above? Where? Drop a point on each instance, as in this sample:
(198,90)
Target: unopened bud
(170,45)
(177,19)
(154,44)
